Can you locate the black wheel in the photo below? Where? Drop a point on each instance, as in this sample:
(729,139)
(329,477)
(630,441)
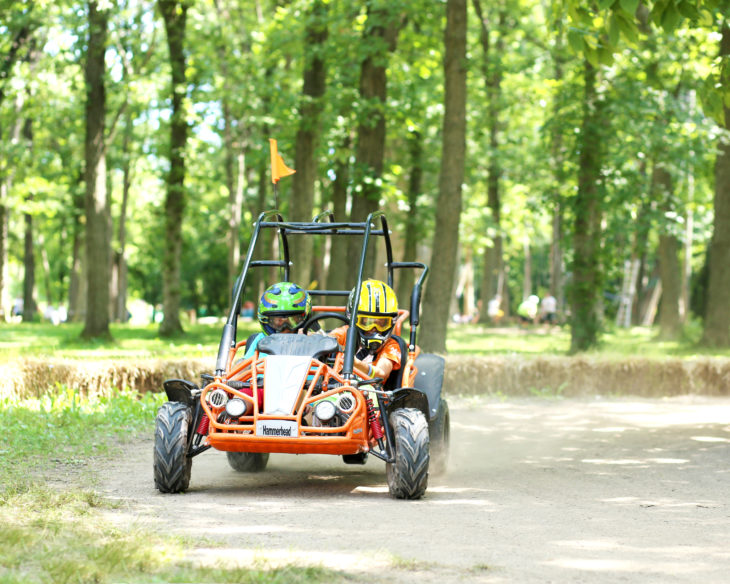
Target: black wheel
(439,430)
(171,462)
(248,461)
(408,475)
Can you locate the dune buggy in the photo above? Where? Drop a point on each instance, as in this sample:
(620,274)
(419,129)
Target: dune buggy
(300,393)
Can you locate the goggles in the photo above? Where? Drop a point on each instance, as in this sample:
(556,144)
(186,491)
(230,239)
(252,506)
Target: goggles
(290,322)
(381,324)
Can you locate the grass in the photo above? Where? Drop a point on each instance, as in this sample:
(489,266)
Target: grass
(201,340)
(63,341)
(615,343)
(63,429)
(59,536)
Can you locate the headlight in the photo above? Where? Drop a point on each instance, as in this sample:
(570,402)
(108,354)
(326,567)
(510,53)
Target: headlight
(236,407)
(217,398)
(325,410)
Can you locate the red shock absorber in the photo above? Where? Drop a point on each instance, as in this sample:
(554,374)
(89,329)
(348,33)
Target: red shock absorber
(374,420)
(203,425)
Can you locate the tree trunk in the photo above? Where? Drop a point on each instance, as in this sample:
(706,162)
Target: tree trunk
(437,298)
(98,228)
(338,253)
(406,277)
(174,14)
(120,306)
(640,253)
(670,325)
(3,246)
(717,315)
(234,151)
(29,305)
(379,39)
(527,268)
(586,286)
(77,279)
(558,161)
(491,68)
(46,269)
(305,159)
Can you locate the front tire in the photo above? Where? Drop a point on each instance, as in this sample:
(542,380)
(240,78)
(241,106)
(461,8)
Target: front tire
(408,475)
(440,437)
(248,461)
(171,463)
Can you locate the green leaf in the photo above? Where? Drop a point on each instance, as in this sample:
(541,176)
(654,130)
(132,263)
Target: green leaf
(575,40)
(689,10)
(629,6)
(614,30)
(670,18)
(604,4)
(591,55)
(605,56)
(628,28)
(657,11)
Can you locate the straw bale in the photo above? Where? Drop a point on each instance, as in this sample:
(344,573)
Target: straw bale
(32,377)
(582,376)
(465,375)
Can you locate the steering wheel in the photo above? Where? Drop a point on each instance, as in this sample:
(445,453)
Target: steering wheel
(321,316)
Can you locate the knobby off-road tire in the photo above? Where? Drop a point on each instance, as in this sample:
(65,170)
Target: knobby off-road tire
(248,461)
(440,437)
(408,475)
(171,463)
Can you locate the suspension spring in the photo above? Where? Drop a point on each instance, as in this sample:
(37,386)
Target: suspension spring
(374,420)
(203,425)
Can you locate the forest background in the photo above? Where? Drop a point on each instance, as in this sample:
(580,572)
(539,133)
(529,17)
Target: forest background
(518,147)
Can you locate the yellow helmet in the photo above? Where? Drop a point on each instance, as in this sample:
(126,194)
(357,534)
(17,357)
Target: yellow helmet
(376,312)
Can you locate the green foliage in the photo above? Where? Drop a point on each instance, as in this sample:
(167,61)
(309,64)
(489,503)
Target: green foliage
(652,58)
(62,428)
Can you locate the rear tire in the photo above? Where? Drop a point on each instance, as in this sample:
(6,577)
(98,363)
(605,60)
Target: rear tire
(248,461)
(171,462)
(408,475)
(440,437)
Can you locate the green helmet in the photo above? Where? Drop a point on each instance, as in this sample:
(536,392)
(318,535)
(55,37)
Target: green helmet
(284,306)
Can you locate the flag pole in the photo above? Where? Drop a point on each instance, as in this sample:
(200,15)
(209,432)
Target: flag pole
(278,169)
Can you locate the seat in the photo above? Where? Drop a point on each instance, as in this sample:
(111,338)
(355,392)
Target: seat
(395,380)
(315,346)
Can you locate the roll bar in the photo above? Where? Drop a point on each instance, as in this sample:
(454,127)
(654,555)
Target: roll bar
(322,224)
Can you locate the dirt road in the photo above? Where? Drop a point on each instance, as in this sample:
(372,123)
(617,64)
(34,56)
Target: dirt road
(602,490)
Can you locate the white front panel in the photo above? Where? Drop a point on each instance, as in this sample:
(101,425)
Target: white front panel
(283,380)
(277,428)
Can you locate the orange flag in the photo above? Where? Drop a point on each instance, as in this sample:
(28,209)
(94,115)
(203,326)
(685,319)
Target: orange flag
(278,168)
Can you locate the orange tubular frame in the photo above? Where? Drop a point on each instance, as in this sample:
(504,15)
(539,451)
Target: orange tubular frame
(350,438)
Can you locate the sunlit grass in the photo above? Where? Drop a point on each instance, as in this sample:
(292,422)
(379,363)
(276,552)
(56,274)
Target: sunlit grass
(62,429)
(618,343)
(64,341)
(59,535)
(201,341)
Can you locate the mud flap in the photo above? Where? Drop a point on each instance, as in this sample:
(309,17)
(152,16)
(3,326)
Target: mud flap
(408,397)
(430,379)
(180,390)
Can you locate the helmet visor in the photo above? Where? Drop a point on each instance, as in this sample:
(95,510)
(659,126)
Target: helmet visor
(379,323)
(290,322)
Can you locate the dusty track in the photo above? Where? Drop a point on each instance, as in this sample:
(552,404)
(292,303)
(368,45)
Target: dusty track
(630,490)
